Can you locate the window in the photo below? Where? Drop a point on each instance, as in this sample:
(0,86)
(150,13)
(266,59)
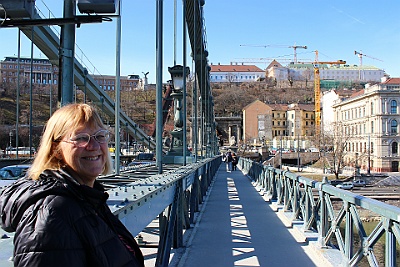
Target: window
(393,107)
(393,127)
(372,108)
(372,127)
(394,148)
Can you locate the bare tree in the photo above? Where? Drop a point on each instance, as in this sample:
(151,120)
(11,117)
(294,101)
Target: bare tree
(335,143)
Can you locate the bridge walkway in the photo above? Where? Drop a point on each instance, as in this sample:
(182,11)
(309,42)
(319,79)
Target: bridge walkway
(237,227)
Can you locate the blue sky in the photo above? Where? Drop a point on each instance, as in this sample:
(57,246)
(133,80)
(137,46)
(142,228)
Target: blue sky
(335,28)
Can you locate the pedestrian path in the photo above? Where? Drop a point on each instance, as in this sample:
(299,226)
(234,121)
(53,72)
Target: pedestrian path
(238,228)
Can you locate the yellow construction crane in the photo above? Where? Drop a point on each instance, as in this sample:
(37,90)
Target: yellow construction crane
(317,88)
(282,46)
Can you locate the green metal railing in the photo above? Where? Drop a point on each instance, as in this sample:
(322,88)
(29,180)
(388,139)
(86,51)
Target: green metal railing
(339,227)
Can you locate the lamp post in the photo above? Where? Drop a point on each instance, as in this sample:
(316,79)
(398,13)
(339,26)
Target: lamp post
(357,172)
(298,152)
(11,135)
(127,138)
(369,155)
(177,73)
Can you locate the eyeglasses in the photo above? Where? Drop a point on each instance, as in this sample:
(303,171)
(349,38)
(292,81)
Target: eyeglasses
(83,139)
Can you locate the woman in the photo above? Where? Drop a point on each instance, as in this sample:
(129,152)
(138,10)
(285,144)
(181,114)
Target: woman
(59,211)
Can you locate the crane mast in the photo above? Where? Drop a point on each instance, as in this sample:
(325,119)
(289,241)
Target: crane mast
(317,88)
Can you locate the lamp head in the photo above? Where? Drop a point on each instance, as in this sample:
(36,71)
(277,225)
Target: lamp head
(177,75)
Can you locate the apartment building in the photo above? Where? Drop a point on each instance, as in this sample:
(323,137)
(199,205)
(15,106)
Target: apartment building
(370,122)
(270,122)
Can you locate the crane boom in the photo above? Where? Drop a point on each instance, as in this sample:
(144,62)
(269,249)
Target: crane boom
(282,46)
(360,56)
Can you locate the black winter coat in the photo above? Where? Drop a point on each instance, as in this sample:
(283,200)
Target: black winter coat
(58,222)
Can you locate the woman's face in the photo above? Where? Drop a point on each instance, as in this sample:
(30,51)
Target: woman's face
(87,161)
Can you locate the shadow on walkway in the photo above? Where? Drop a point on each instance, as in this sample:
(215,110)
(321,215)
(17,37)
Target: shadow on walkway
(238,228)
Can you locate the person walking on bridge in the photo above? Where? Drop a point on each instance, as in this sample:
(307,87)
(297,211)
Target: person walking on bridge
(228,160)
(58,211)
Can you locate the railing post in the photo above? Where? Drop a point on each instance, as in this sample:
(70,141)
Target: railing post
(178,229)
(323,215)
(390,244)
(348,232)
(164,249)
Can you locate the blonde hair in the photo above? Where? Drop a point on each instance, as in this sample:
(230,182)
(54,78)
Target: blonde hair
(60,123)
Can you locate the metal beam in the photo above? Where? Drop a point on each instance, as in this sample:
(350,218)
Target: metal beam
(49,43)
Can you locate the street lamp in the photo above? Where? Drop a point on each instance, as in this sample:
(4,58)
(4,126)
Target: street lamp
(177,73)
(357,168)
(11,135)
(369,155)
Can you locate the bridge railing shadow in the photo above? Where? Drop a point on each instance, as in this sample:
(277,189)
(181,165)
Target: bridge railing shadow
(331,215)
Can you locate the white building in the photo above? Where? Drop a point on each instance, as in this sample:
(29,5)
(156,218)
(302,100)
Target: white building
(235,73)
(371,118)
(339,72)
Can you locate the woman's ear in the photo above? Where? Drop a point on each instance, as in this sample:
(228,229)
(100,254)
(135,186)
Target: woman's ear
(57,152)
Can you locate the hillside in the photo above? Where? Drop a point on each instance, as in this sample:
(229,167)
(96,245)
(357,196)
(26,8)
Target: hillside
(229,99)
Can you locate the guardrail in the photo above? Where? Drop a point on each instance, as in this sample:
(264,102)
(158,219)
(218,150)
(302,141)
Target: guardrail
(173,197)
(336,226)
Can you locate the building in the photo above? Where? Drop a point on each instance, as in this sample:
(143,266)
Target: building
(127,83)
(370,121)
(273,122)
(253,129)
(300,120)
(235,73)
(339,72)
(43,72)
(328,99)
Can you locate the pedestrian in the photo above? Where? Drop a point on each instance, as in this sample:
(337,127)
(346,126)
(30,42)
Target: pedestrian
(234,161)
(228,160)
(58,211)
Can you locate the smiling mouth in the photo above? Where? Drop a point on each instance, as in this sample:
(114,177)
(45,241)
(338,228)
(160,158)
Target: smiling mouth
(92,158)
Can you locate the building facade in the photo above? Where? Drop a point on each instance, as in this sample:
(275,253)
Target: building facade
(272,122)
(251,124)
(235,73)
(344,73)
(370,121)
(43,72)
(127,83)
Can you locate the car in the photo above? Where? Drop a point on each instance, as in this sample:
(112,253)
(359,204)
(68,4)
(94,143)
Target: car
(345,185)
(5,174)
(143,158)
(10,174)
(335,182)
(13,171)
(359,183)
